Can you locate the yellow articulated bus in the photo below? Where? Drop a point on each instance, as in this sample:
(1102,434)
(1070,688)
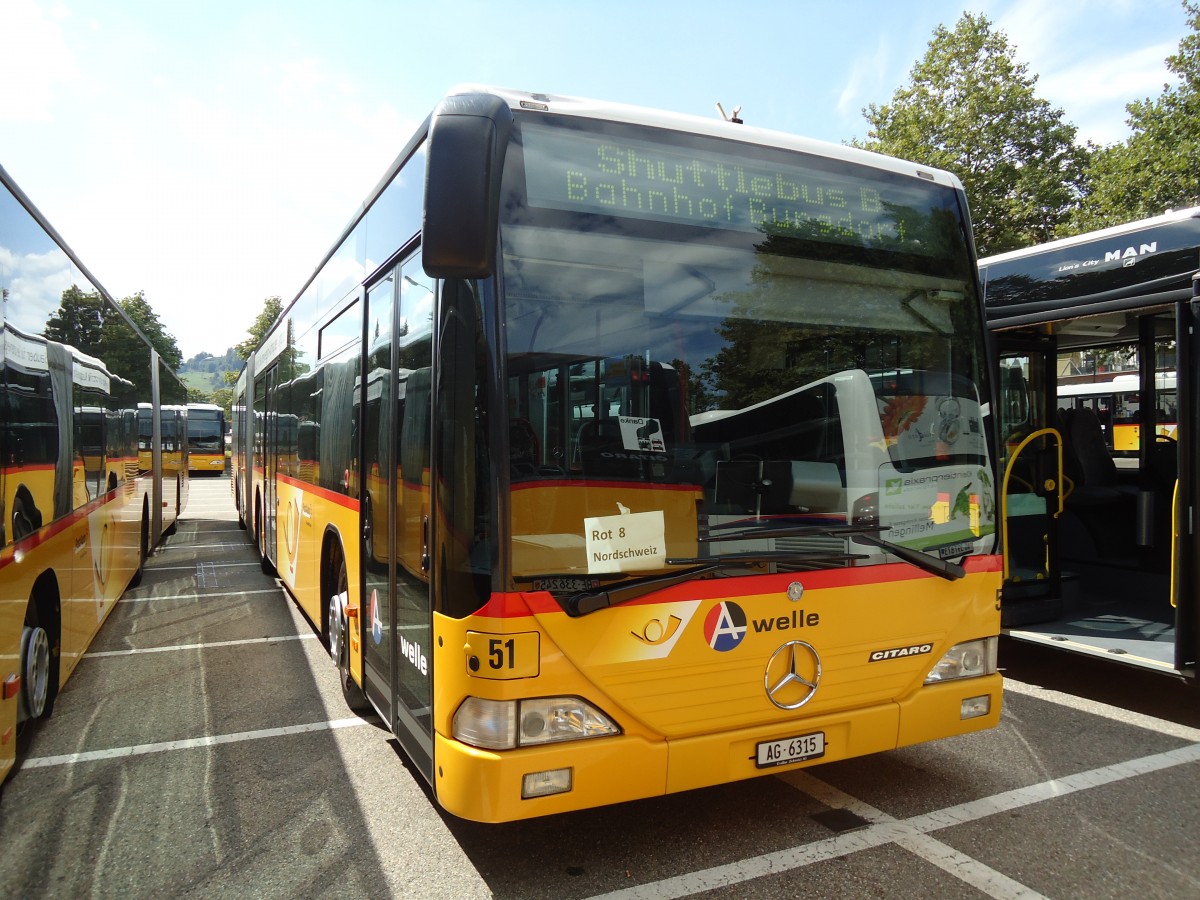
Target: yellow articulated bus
(1101,552)
(615,452)
(82,507)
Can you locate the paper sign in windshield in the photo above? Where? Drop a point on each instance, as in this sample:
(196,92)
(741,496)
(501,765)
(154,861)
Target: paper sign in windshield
(642,434)
(625,543)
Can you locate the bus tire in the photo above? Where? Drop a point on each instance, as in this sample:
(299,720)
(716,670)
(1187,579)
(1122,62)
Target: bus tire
(339,645)
(237,502)
(38,662)
(264,562)
(172,528)
(143,547)
(35,670)
(25,516)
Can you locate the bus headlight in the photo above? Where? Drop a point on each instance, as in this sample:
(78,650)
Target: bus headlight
(506,724)
(969,659)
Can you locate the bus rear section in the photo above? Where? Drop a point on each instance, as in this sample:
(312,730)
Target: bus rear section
(1097,364)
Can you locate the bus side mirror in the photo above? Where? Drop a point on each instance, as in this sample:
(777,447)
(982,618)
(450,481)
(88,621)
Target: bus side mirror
(465,159)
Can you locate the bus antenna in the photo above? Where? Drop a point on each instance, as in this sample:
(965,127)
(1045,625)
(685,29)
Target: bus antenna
(735,119)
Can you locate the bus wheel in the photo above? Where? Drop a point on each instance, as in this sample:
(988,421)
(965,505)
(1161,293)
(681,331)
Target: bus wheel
(336,628)
(143,548)
(339,646)
(264,561)
(173,527)
(25,517)
(35,670)
(39,671)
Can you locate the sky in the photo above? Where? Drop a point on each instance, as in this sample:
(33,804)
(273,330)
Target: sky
(209,152)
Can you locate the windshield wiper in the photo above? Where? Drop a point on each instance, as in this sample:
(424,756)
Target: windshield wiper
(751,557)
(868,534)
(943,568)
(773,530)
(584,602)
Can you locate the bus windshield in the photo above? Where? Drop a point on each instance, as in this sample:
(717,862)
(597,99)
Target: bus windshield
(707,338)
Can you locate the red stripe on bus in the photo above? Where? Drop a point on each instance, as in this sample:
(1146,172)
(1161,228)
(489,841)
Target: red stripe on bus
(324,493)
(58,526)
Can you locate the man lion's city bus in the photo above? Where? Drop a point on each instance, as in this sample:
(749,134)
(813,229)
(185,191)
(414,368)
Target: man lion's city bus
(84,495)
(1101,479)
(615,453)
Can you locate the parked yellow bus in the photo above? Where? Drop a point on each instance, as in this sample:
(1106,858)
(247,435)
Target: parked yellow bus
(74,486)
(648,452)
(205,439)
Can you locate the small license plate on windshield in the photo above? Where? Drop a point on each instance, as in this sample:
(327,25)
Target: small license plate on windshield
(566,584)
(952,550)
(790,750)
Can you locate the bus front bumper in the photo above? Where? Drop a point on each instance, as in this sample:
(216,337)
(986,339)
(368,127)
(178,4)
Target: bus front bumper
(488,785)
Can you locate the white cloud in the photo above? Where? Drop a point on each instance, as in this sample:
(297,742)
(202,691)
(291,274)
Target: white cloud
(1069,46)
(865,80)
(34,61)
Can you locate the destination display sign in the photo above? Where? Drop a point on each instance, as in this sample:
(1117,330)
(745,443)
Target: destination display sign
(622,176)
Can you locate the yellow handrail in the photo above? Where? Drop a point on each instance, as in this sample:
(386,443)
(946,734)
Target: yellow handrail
(1174,540)
(1056,486)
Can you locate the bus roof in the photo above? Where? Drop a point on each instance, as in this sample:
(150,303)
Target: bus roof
(711,126)
(1133,266)
(1103,234)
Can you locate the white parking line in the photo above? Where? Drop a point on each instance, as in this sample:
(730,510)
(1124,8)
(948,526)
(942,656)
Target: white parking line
(192,568)
(42,762)
(913,833)
(194,596)
(1162,726)
(167,648)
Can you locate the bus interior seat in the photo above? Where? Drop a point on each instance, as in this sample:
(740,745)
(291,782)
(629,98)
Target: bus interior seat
(1087,460)
(1105,507)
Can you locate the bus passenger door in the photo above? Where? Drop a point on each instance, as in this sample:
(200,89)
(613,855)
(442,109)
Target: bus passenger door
(270,464)
(1185,556)
(395,403)
(1032,483)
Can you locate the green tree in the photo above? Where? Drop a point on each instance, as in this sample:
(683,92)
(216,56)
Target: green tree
(79,320)
(272,307)
(89,323)
(138,308)
(1158,166)
(971,108)
(223,397)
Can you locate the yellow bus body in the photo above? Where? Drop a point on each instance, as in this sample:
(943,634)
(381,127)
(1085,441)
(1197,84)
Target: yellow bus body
(667,745)
(90,554)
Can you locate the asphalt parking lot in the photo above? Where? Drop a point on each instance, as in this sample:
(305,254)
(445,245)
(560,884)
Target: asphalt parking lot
(203,749)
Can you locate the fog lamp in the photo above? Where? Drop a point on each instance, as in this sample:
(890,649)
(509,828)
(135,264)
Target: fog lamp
(974,707)
(543,784)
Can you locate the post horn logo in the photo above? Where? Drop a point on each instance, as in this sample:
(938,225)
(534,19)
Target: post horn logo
(792,675)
